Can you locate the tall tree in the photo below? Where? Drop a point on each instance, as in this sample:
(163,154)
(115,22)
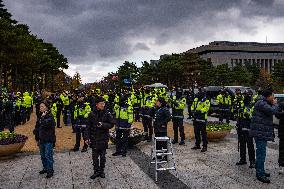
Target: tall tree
(278,73)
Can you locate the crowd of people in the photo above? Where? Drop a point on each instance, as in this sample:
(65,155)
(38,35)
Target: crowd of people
(93,113)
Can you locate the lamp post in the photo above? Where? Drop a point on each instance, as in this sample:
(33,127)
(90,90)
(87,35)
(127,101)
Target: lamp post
(194,83)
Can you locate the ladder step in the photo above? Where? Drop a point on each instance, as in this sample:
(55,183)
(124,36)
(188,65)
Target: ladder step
(162,154)
(165,169)
(159,162)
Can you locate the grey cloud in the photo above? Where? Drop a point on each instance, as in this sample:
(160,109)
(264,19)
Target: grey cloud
(141,46)
(94,31)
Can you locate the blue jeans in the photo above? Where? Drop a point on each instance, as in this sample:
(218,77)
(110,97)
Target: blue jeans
(260,157)
(46,153)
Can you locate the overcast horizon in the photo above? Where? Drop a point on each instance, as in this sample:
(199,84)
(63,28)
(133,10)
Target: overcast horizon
(97,36)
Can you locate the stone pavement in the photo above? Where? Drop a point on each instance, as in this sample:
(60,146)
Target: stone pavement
(213,169)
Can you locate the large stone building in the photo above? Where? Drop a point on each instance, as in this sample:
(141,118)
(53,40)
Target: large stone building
(224,52)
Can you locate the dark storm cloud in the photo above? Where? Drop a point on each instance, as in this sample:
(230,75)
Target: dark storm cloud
(101,29)
(141,46)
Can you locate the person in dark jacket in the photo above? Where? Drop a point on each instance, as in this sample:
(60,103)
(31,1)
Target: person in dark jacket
(281,139)
(161,119)
(262,130)
(99,123)
(9,114)
(1,113)
(45,136)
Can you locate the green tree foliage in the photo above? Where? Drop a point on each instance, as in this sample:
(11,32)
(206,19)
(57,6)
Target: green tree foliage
(26,62)
(128,70)
(240,75)
(278,73)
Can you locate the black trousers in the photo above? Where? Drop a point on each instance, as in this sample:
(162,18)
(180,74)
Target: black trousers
(58,118)
(148,126)
(81,132)
(281,152)
(246,141)
(200,128)
(136,113)
(99,159)
(224,114)
(178,127)
(66,108)
(122,140)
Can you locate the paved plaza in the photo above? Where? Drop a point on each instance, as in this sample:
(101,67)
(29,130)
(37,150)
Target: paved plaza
(213,169)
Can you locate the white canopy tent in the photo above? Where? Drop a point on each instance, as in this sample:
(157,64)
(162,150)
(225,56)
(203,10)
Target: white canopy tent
(156,85)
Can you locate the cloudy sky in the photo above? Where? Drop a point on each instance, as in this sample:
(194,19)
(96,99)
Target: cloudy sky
(97,36)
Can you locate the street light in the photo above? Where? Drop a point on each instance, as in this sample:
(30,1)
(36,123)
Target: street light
(193,80)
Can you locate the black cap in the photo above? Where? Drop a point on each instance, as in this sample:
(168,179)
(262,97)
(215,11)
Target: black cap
(266,93)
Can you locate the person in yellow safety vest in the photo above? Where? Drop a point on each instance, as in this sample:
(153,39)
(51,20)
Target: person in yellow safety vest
(243,127)
(81,113)
(178,105)
(147,114)
(200,108)
(66,102)
(54,111)
(136,105)
(124,116)
(56,106)
(18,113)
(238,102)
(224,102)
(106,97)
(28,102)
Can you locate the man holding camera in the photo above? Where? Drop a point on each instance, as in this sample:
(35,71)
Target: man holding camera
(99,123)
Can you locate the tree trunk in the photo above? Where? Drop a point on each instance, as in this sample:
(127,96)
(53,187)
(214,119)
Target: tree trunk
(1,78)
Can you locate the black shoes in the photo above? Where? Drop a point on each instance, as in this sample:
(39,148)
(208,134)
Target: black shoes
(49,174)
(241,163)
(204,149)
(196,148)
(174,141)
(123,155)
(182,143)
(102,175)
(75,149)
(98,174)
(267,174)
(116,154)
(252,165)
(84,149)
(42,172)
(263,179)
(95,175)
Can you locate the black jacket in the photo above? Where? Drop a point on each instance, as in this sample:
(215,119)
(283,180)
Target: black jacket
(262,120)
(45,129)
(162,117)
(281,121)
(99,136)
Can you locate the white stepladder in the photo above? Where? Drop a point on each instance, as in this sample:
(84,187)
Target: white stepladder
(163,156)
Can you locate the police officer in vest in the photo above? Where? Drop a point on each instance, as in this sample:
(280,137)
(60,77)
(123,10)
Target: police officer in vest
(224,102)
(243,126)
(178,104)
(66,102)
(81,113)
(147,116)
(200,108)
(124,119)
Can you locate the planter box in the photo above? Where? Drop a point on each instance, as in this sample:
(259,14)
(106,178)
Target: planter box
(10,149)
(214,136)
